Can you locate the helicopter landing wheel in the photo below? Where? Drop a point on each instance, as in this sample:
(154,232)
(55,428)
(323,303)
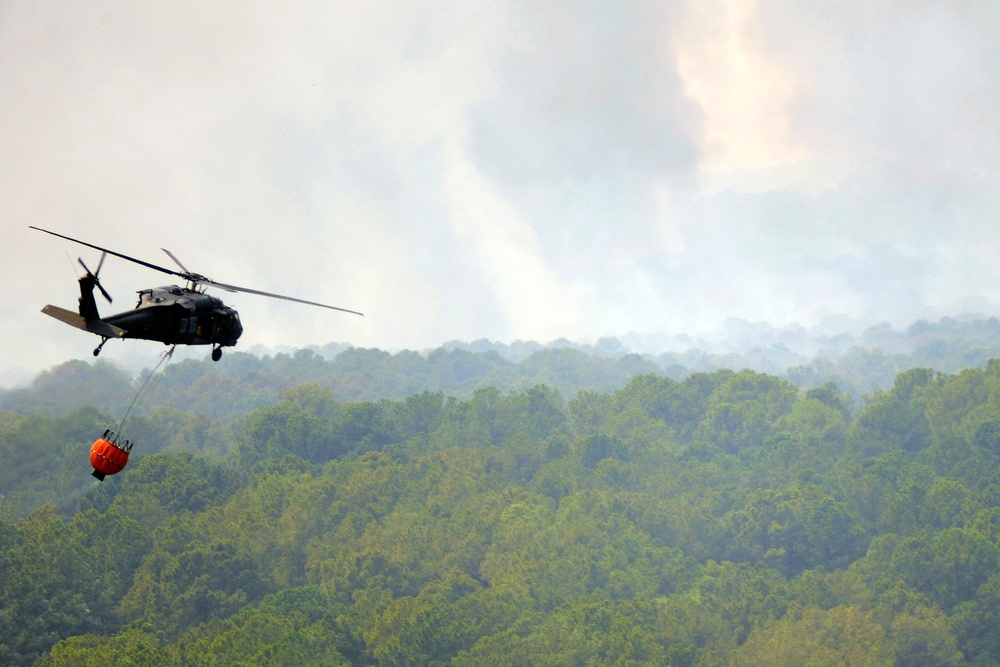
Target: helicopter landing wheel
(97,350)
(216,353)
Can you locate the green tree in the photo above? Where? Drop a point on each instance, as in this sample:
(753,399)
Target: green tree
(201,582)
(976,621)
(896,418)
(130,647)
(923,638)
(812,636)
(285,429)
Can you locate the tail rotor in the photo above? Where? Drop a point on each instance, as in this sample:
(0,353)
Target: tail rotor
(97,273)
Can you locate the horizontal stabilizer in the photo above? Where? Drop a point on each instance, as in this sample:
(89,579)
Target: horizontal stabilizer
(99,327)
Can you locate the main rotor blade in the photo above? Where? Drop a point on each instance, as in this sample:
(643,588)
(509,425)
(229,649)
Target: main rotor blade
(234,288)
(176,261)
(112,252)
(193,277)
(188,273)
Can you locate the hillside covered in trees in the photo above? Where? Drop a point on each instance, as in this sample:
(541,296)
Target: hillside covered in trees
(468,508)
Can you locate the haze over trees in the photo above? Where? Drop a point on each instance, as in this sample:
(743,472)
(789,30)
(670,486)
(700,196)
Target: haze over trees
(470,507)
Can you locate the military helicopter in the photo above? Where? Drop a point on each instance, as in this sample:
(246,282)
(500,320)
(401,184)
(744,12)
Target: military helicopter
(171,315)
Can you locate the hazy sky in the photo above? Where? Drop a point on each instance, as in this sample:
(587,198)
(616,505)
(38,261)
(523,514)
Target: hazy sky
(507,170)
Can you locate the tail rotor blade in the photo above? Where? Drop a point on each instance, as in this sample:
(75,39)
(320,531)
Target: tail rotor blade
(103,291)
(97,281)
(100,263)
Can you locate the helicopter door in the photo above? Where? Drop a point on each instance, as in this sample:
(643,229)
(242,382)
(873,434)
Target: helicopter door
(188,325)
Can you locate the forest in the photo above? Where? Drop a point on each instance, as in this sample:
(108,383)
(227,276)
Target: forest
(466,507)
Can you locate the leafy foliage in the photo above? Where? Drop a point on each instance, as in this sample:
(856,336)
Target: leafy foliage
(726,518)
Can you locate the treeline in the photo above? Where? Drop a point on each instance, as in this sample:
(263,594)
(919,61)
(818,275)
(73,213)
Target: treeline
(859,360)
(729,518)
(240,382)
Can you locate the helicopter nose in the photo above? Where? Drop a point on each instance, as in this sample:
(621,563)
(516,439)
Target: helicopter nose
(234,325)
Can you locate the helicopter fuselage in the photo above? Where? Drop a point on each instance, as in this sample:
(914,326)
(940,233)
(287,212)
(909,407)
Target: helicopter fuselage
(171,315)
(179,316)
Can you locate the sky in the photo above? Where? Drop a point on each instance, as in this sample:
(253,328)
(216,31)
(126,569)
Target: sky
(501,169)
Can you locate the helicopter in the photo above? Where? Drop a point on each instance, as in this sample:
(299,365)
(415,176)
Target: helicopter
(171,315)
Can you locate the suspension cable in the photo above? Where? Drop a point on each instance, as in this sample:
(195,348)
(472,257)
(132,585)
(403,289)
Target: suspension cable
(167,354)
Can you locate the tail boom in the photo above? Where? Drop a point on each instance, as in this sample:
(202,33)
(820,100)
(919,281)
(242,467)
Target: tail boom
(94,326)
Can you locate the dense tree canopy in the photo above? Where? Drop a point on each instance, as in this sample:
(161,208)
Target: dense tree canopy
(724,518)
